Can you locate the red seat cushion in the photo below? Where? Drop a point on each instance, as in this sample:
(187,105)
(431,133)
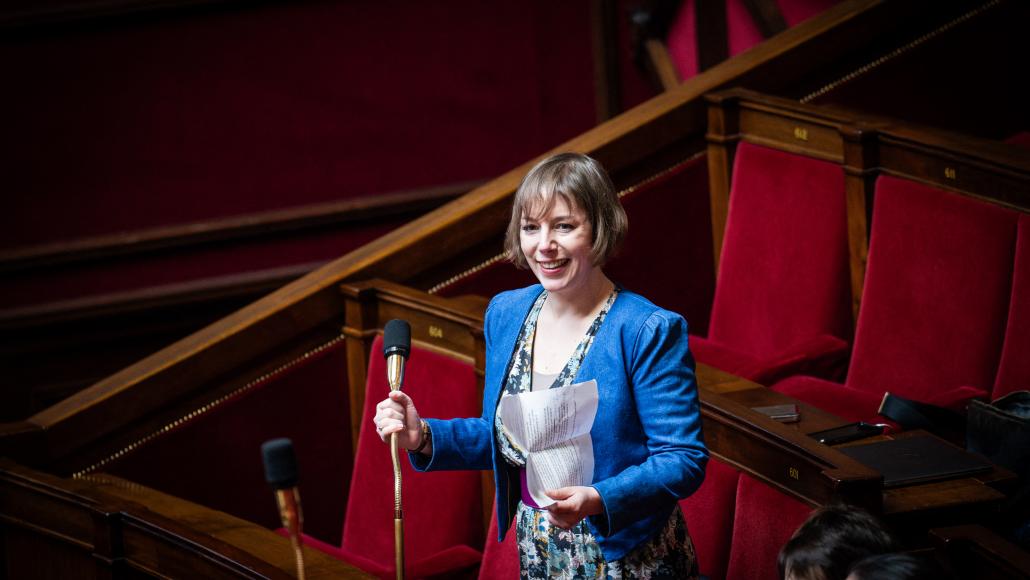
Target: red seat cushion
(709,515)
(764,521)
(843,401)
(823,355)
(783,275)
(1014,368)
(442,510)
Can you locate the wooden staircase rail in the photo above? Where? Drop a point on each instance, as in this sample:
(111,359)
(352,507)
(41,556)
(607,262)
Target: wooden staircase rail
(669,125)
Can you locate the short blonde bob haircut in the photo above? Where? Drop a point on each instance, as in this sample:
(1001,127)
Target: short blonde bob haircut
(581,183)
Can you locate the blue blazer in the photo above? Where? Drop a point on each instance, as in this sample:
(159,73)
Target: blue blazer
(649,450)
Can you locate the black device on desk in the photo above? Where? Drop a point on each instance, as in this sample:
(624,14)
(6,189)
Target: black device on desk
(845,433)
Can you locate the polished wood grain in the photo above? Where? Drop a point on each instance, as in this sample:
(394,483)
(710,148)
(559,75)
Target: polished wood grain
(784,456)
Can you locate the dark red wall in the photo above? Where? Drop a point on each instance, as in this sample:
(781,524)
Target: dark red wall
(183,115)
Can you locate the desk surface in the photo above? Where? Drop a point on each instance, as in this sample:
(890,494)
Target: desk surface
(969,494)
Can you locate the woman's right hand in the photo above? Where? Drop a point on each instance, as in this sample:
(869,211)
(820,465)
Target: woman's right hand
(397,414)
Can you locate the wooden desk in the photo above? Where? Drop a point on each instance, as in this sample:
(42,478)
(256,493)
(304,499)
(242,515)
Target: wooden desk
(784,456)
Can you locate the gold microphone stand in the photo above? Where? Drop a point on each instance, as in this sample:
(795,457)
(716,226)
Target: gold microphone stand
(395,376)
(293,519)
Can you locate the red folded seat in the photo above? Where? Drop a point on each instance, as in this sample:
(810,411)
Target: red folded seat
(442,510)
(782,298)
(934,306)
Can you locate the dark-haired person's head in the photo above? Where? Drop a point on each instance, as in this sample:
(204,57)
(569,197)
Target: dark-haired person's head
(830,541)
(897,566)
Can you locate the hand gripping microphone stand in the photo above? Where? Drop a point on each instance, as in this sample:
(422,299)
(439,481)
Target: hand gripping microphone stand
(281,474)
(396,347)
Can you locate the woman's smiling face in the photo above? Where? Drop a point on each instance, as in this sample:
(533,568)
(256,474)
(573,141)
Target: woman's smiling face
(558,244)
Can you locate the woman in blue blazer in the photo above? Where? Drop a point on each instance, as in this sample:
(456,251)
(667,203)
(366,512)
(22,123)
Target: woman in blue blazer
(575,326)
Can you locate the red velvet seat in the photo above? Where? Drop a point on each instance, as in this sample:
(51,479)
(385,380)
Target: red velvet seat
(782,298)
(442,510)
(1014,368)
(709,514)
(764,520)
(934,306)
(500,559)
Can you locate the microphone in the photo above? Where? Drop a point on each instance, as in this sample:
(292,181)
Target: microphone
(281,474)
(396,347)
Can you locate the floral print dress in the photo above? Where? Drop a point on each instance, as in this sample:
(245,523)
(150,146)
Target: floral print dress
(547,551)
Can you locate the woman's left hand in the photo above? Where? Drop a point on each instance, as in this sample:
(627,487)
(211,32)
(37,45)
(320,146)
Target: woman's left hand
(572,504)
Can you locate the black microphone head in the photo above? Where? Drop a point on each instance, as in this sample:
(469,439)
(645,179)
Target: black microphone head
(280,463)
(397,338)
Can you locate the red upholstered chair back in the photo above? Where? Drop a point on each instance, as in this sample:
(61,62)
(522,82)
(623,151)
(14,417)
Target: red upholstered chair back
(783,273)
(709,514)
(441,509)
(1014,369)
(936,292)
(765,519)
